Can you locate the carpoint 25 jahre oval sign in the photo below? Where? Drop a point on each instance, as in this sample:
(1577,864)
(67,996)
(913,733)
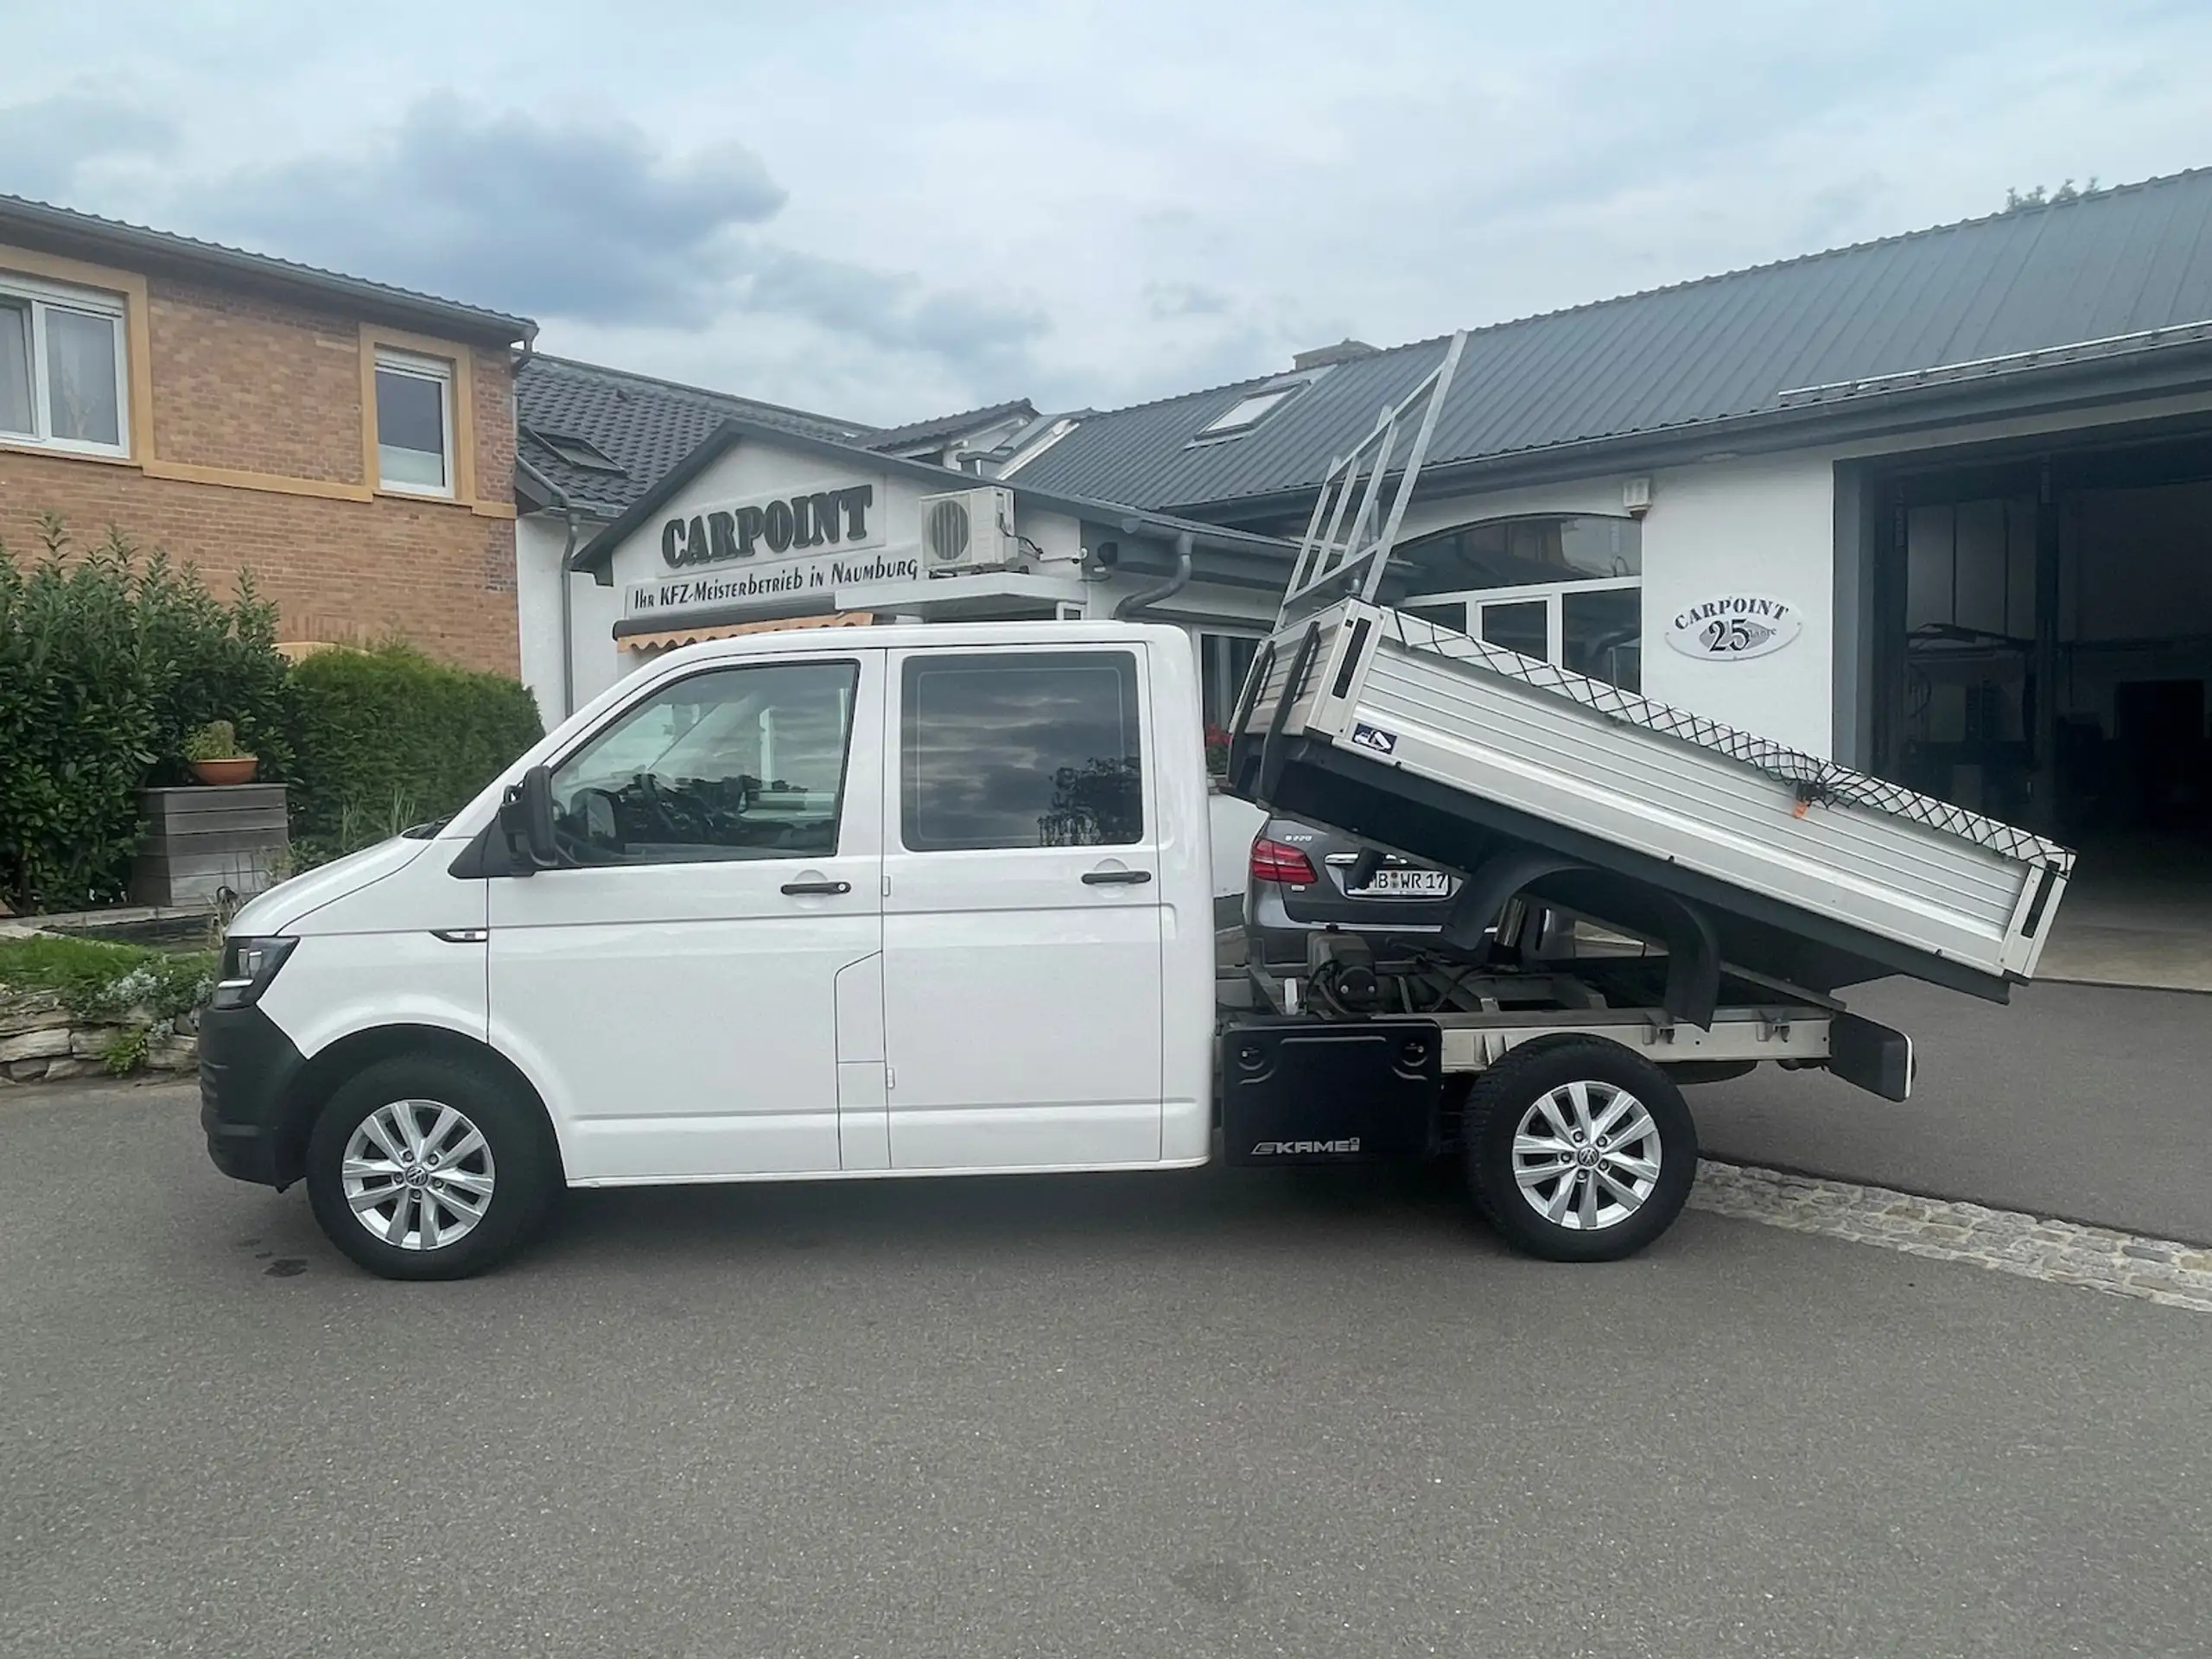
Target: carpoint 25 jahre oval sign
(1734,627)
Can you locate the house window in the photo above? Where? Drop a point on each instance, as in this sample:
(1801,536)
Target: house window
(579,453)
(1563,590)
(62,370)
(1256,404)
(1246,413)
(414,425)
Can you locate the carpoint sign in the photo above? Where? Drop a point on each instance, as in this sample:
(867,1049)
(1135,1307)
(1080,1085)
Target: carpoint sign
(1734,627)
(771,546)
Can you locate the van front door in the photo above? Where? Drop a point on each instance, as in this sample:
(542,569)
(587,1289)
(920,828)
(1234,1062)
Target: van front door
(1022,919)
(676,985)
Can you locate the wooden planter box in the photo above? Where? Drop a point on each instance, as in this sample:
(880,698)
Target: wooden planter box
(200,840)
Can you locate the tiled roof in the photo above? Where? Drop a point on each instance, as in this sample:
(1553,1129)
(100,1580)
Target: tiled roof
(19,215)
(646,426)
(2123,270)
(948,426)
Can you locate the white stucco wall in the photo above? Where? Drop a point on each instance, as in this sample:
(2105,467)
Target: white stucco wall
(1758,524)
(540,540)
(1763,525)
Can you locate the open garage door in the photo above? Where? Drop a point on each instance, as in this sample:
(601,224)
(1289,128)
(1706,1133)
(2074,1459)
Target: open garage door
(2044,653)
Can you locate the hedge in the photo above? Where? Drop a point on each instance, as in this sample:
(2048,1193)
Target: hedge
(389,737)
(107,662)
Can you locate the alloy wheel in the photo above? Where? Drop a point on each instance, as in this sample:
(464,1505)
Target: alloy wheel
(1586,1155)
(417,1174)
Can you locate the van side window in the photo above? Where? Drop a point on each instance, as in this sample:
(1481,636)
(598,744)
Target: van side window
(1021,749)
(734,763)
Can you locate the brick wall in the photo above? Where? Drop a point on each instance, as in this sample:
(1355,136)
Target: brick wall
(262,386)
(254,385)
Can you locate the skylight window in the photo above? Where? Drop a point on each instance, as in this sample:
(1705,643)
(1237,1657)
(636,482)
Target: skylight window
(1248,412)
(579,453)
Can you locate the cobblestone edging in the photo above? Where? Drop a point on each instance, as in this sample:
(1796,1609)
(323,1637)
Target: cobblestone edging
(2007,1241)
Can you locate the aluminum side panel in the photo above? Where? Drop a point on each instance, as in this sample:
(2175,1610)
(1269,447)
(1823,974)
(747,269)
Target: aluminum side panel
(1557,760)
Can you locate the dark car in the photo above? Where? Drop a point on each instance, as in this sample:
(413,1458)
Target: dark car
(1305,878)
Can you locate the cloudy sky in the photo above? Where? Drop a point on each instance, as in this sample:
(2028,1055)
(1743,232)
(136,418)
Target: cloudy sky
(885,211)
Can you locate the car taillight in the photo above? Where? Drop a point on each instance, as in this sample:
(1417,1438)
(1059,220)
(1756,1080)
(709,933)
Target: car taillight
(1273,861)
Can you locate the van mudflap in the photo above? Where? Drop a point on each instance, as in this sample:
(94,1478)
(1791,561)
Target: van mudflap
(1304,1091)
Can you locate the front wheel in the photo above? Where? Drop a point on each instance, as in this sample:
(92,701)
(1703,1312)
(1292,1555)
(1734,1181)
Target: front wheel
(424,1166)
(1579,1149)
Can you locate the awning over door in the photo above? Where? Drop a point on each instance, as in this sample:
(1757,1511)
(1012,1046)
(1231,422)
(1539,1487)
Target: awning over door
(668,638)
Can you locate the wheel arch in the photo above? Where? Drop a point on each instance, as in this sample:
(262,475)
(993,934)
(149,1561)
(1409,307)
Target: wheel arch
(326,1069)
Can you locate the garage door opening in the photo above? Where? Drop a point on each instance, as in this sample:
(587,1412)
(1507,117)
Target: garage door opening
(2044,653)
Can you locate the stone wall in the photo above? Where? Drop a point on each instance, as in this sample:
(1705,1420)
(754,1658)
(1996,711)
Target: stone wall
(42,1041)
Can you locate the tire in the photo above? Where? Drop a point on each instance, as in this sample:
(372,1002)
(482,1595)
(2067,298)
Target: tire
(480,1165)
(1559,1089)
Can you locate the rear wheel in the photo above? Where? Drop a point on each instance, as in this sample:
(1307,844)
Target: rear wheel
(1578,1149)
(425,1166)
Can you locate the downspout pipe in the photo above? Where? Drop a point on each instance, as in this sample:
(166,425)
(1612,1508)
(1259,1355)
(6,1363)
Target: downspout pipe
(1145,598)
(559,497)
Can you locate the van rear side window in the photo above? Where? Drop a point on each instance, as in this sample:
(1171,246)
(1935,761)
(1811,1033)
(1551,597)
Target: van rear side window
(1021,749)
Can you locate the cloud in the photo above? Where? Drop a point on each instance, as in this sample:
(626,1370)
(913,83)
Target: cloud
(894,310)
(1165,300)
(47,147)
(594,224)
(592,221)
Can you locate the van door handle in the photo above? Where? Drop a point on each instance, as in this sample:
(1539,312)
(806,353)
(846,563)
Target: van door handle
(1116,878)
(819,887)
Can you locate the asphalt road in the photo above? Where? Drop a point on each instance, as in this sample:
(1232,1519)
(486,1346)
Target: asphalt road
(2084,1102)
(1209,1414)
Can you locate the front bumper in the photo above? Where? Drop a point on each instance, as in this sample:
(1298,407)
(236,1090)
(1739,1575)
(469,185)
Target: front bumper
(247,1068)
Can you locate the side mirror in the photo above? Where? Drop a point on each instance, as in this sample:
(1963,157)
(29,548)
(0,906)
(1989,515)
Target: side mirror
(526,822)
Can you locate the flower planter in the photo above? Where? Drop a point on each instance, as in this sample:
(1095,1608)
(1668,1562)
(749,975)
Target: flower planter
(232,769)
(200,842)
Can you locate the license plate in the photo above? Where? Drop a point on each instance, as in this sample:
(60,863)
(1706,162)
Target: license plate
(1405,884)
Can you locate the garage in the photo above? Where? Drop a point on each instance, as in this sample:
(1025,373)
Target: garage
(2044,652)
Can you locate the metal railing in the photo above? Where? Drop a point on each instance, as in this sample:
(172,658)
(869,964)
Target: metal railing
(1347,541)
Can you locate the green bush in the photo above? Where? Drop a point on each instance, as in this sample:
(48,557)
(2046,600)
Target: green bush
(107,664)
(388,737)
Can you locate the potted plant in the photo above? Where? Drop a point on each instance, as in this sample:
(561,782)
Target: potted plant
(212,753)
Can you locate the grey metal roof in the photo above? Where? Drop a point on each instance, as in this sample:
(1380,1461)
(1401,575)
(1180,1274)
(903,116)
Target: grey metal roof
(46,223)
(646,426)
(948,426)
(2128,270)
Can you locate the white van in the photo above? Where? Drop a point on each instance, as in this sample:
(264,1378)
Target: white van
(937,900)
(811,905)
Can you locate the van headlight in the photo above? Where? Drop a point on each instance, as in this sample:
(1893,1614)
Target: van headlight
(247,966)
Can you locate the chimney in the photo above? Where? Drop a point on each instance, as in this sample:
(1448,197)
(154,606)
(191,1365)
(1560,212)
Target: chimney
(1322,357)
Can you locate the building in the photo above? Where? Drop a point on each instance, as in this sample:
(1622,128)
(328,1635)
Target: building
(1935,506)
(591,442)
(613,469)
(349,443)
(1955,486)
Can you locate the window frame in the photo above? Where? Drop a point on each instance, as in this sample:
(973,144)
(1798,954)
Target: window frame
(594,458)
(1126,658)
(443,372)
(1551,594)
(42,297)
(559,763)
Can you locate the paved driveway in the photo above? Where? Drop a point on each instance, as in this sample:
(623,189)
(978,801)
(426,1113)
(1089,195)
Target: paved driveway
(2078,1101)
(1162,1415)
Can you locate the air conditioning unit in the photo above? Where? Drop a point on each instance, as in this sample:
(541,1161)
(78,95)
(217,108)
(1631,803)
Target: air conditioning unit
(968,532)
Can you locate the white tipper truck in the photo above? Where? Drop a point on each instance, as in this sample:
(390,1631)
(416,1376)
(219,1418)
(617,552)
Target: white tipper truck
(937,900)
